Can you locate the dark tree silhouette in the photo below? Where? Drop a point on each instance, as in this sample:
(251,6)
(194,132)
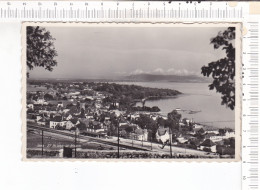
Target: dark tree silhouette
(40,48)
(173,119)
(223,70)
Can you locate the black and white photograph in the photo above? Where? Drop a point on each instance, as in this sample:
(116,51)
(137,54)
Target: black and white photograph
(128,91)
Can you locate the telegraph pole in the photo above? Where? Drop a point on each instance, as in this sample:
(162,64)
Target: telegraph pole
(151,143)
(75,143)
(118,141)
(42,143)
(170,133)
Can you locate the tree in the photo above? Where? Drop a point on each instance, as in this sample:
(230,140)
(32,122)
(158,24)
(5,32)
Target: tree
(81,126)
(82,113)
(145,121)
(40,48)
(173,119)
(129,129)
(123,133)
(223,70)
(48,97)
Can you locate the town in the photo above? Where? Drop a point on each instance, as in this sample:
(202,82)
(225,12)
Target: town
(102,120)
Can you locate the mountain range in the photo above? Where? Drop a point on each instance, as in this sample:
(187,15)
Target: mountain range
(166,78)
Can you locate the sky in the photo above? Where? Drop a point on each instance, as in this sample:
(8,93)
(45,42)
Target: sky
(109,52)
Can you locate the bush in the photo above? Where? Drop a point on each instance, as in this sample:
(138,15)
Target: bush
(37,153)
(206,149)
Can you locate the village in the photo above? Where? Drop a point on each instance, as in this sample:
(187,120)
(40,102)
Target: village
(89,109)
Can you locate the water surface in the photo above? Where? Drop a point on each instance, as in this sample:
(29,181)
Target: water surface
(195,97)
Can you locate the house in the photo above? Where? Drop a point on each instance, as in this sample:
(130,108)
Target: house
(187,121)
(216,138)
(82,106)
(95,130)
(66,110)
(89,116)
(197,126)
(41,121)
(95,127)
(30,106)
(57,121)
(154,117)
(162,134)
(208,144)
(216,132)
(97,105)
(60,104)
(117,113)
(69,117)
(164,117)
(71,123)
(73,93)
(123,124)
(182,140)
(199,131)
(141,134)
(209,135)
(229,134)
(38,117)
(213,137)
(41,101)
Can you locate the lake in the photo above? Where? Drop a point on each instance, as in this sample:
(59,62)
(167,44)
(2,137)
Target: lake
(195,97)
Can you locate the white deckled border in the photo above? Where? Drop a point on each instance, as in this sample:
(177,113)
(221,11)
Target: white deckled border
(238,79)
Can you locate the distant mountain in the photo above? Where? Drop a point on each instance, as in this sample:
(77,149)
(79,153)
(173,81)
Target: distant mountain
(168,78)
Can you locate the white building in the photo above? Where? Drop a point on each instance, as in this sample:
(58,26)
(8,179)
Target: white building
(162,134)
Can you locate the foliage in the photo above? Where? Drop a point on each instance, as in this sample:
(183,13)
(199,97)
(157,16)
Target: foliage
(48,97)
(82,113)
(222,150)
(145,122)
(206,149)
(223,70)
(123,133)
(81,126)
(222,132)
(129,129)
(40,48)
(173,119)
(58,127)
(230,142)
(127,93)
(145,108)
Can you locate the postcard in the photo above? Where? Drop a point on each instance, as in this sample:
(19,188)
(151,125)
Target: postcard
(131,91)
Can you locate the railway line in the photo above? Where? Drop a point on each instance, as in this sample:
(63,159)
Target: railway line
(93,139)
